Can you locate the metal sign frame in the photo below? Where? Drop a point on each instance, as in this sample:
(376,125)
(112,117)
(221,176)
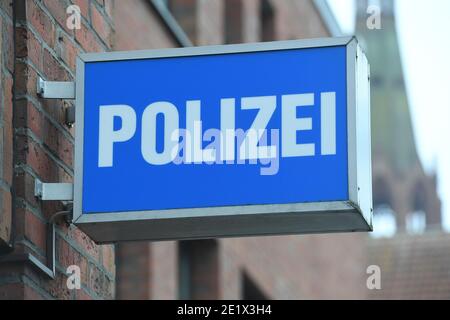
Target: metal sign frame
(352,215)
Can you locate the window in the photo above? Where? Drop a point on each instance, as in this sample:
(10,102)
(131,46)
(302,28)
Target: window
(184,271)
(198,269)
(233,21)
(384,217)
(267,21)
(384,222)
(250,291)
(416,222)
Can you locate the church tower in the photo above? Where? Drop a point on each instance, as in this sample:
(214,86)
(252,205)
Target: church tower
(400,182)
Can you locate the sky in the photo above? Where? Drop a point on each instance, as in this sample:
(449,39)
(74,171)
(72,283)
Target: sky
(423,28)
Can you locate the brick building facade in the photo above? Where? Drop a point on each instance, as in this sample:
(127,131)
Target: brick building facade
(37,144)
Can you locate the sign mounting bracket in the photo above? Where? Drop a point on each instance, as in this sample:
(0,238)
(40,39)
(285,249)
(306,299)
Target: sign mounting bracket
(53,191)
(55,89)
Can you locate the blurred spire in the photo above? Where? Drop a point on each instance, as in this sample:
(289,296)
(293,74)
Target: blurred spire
(392,132)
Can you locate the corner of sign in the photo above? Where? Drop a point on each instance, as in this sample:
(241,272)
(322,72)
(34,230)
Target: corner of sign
(366,216)
(353,39)
(354,205)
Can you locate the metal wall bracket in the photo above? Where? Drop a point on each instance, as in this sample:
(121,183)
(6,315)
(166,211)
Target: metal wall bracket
(47,191)
(30,259)
(53,191)
(55,89)
(49,266)
(70,116)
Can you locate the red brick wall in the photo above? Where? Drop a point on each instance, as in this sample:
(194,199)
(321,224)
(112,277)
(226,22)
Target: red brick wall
(6,141)
(43,148)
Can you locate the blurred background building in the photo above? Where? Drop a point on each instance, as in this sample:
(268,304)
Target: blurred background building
(402,193)
(408,243)
(414,256)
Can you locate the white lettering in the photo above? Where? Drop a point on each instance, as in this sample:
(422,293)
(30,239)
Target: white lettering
(249,148)
(291,124)
(180,145)
(148,142)
(108,136)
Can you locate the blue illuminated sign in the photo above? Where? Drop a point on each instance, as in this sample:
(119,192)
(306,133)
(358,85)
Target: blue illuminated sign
(240,127)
